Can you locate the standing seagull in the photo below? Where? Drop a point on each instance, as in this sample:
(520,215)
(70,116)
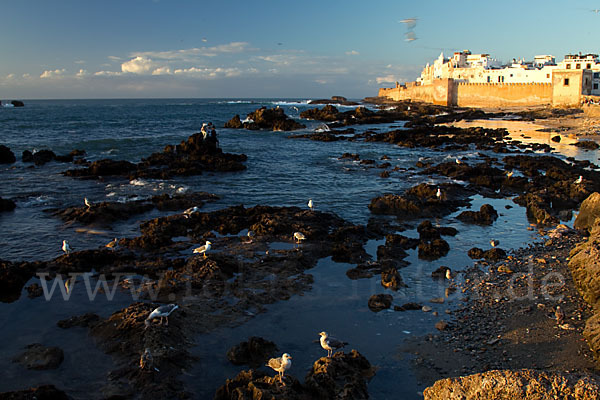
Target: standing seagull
(310,204)
(438,194)
(449,274)
(299,236)
(65,247)
(579,180)
(458,161)
(494,242)
(203,249)
(330,343)
(146,360)
(281,364)
(161,312)
(560,315)
(87,202)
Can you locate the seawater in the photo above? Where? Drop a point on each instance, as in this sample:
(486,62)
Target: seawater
(280,172)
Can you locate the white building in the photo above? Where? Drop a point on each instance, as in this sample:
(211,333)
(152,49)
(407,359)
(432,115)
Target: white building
(584,61)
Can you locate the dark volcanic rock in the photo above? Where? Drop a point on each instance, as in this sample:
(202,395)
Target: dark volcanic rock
(103,168)
(391,279)
(7,205)
(485,216)
(273,119)
(37,356)
(493,254)
(421,201)
(379,302)
(440,272)
(434,249)
(43,392)
(13,276)
(86,320)
(343,377)
(255,352)
(586,144)
(6,156)
(258,385)
(588,212)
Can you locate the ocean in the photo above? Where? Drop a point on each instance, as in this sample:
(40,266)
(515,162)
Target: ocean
(280,172)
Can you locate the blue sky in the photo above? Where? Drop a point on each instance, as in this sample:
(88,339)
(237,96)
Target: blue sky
(265,48)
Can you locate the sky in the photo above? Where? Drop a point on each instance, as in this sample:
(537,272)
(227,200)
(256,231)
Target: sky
(73,49)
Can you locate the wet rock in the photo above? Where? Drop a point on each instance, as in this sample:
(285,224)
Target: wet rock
(485,216)
(103,168)
(13,276)
(434,249)
(39,357)
(40,157)
(555,138)
(518,384)
(255,352)
(378,302)
(391,279)
(588,212)
(586,144)
(441,272)
(494,254)
(258,385)
(87,320)
(273,119)
(7,205)
(427,231)
(343,376)
(441,325)
(42,392)
(408,307)
(334,100)
(421,201)
(34,290)
(6,155)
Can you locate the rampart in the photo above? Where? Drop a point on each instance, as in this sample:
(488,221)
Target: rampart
(501,95)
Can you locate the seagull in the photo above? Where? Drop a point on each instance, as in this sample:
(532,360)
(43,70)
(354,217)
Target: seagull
(560,315)
(281,364)
(438,194)
(299,236)
(579,180)
(160,312)
(449,274)
(248,119)
(190,211)
(458,161)
(113,244)
(146,360)
(494,242)
(509,174)
(330,343)
(87,202)
(310,204)
(65,247)
(203,249)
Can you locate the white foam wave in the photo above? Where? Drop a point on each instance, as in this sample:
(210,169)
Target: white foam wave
(138,182)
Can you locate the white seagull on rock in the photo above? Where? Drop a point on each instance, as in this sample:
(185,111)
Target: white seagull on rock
(65,247)
(494,242)
(579,180)
(281,364)
(330,343)
(299,236)
(203,249)
(87,202)
(438,194)
(161,312)
(310,204)
(113,244)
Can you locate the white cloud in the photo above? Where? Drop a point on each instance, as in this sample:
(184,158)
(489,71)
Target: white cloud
(82,73)
(107,73)
(80,62)
(114,58)
(321,81)
(139,65)
(57,73)
(194,53)
(352,53)
(162,71)
(208,73)
(385,79)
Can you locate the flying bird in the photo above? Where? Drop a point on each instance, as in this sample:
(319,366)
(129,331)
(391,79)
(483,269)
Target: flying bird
(299,236)
(65,247)
(281,364)
(161,312)
(330,343)
(203,249)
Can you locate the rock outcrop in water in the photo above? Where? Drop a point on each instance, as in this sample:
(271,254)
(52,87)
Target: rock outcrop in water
(191,157)
(273,119)
(6,155)
(39,357)
(7,205)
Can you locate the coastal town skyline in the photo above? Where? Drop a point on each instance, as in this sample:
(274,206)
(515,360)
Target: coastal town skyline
(155,48)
